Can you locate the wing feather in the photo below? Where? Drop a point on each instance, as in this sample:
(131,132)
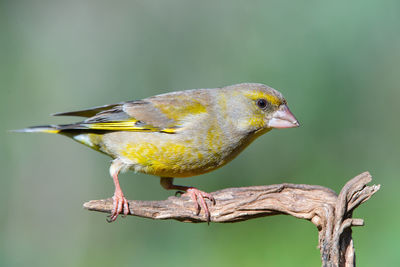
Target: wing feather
(163,113)
(86,112)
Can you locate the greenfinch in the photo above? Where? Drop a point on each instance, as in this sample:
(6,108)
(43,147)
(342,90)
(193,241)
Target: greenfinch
(178,134)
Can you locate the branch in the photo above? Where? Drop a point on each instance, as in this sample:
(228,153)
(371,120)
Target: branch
(332,214)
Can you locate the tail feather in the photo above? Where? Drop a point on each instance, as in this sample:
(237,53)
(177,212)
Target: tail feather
(40,129)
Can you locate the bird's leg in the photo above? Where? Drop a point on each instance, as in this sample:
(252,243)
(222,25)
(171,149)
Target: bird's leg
(195,194)
(119,201)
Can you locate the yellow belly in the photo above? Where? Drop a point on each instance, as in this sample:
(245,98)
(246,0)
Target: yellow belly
(170,155)
(168,159)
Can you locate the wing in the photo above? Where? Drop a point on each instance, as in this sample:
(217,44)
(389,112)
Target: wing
(163,113)
(87,112)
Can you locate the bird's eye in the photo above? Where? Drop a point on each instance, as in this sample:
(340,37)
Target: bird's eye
(262,103)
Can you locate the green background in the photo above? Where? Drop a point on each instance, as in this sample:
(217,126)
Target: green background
(336,62)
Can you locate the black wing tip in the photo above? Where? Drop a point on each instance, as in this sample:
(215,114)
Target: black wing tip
(87,112)
(71,113)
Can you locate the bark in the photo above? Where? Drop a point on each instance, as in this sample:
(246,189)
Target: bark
(329,212)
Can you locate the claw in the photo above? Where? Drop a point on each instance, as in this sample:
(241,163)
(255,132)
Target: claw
(195,194)
(198,197)
(120,204)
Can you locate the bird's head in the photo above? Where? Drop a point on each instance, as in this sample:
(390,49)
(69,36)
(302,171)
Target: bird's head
(260,108)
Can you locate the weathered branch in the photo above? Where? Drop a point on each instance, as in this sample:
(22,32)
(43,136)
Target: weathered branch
(331,213)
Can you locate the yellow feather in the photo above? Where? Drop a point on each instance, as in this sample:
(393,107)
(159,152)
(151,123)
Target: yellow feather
(122,126)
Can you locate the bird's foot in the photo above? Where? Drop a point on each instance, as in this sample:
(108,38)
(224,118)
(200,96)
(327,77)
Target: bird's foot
(119,204)
(198,197)
(195,194)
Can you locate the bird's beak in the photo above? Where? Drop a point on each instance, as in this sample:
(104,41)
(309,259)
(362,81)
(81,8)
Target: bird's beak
(283,118)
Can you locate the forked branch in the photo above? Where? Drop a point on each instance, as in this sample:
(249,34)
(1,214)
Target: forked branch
(331,213)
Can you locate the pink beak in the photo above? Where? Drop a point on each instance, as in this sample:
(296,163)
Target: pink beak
(283,118)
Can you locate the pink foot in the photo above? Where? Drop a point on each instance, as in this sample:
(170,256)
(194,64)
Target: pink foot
(195,194)
(197,197)
(119,204)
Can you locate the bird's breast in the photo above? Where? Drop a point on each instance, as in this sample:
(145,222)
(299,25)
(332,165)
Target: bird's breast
(188,153)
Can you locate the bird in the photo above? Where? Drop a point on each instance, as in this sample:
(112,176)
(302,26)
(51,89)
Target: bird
(178,134)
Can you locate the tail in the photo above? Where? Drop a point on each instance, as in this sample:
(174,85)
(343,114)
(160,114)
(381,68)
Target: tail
(74,131)
(40,129)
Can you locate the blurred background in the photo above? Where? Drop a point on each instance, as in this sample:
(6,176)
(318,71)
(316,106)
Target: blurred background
(336,62)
